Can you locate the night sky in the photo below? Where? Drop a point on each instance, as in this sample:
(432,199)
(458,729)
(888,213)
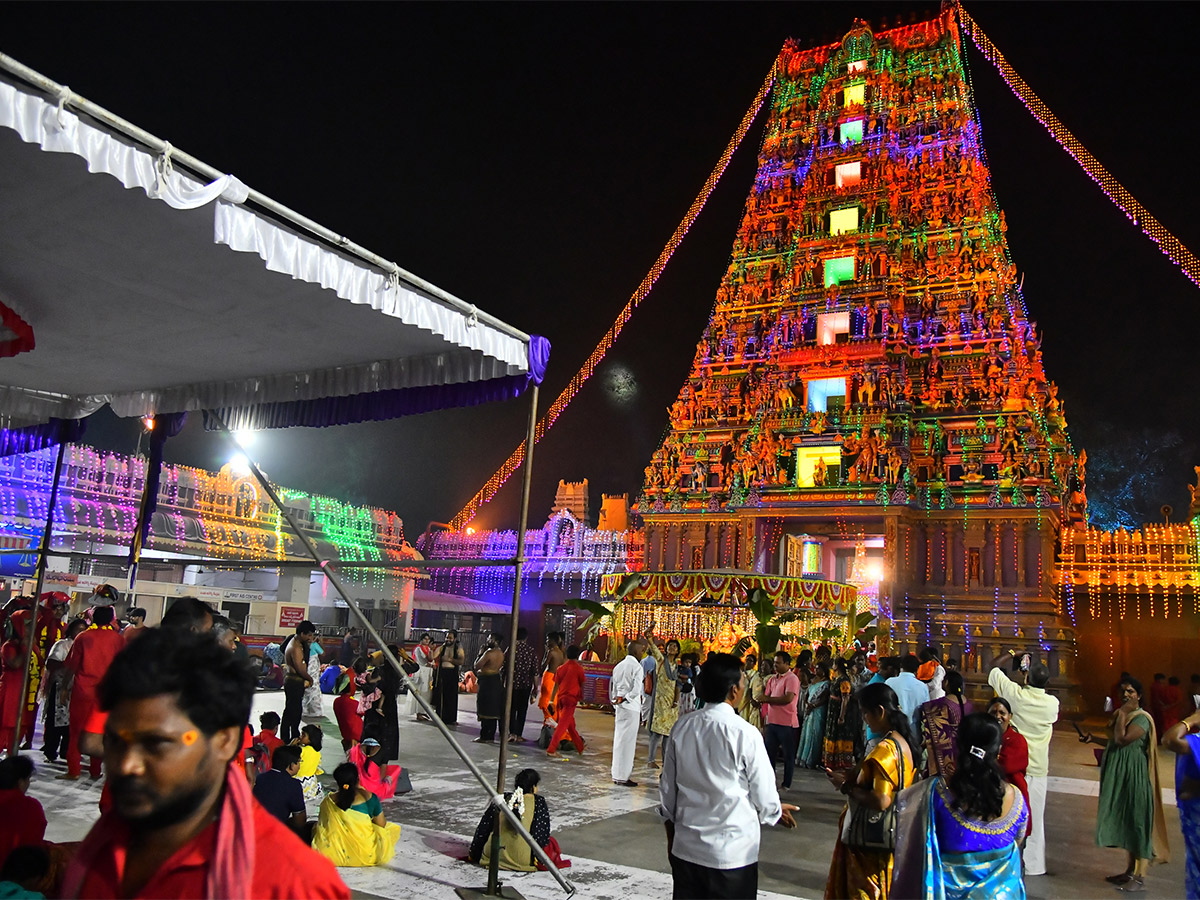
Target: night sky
(534,158)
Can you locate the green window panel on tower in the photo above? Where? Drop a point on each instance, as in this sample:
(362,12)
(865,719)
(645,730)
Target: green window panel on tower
(851,132)
(839,270)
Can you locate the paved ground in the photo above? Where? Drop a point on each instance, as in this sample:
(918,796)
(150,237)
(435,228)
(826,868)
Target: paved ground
(612,834)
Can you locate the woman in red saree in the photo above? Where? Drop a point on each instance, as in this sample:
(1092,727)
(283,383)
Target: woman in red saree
(1014,750)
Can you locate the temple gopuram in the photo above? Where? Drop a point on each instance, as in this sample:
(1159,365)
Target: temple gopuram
(868,403)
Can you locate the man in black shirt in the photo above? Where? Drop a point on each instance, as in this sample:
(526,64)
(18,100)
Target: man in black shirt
(280,792)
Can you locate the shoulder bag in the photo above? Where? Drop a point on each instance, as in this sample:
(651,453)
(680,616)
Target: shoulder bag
(874,829)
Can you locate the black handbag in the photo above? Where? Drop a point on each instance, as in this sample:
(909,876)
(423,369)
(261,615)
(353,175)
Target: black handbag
(874,829)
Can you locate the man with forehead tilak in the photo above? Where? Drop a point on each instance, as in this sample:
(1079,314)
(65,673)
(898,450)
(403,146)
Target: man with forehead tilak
(183,821)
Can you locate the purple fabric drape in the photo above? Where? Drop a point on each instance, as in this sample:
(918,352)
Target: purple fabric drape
(38,437)
(379,406)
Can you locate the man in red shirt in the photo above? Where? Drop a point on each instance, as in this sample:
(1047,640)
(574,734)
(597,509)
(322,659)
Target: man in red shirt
(89,659)
(22,819)
(268,736)
(184,822)
(568,690)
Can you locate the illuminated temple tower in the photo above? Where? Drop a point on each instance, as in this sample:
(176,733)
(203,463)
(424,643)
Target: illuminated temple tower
(868,401)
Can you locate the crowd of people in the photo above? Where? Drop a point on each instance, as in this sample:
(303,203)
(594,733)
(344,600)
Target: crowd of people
(942,799)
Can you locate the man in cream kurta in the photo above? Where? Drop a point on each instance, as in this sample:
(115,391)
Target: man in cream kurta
(625,690)
(1034,713)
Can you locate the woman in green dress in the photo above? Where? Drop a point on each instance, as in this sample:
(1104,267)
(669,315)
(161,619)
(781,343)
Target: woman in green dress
(664,711)
(1131,814)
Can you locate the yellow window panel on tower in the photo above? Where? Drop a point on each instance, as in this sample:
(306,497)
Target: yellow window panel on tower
(854,95)
(843,221)
(806,462)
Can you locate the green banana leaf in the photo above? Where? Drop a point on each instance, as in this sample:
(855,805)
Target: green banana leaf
(743,644)
(598,610)
(628,585)
(767,637)
(761,606)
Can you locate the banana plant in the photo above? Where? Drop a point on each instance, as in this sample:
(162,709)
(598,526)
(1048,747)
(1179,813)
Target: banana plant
(594,624)
(767,632)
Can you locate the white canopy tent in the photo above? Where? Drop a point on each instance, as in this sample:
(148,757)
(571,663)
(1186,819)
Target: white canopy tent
(153,291)
(134,275)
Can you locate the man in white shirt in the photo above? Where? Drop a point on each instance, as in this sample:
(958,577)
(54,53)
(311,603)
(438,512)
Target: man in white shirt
(1034,713)
(625,690)
(717,789)
(910,691)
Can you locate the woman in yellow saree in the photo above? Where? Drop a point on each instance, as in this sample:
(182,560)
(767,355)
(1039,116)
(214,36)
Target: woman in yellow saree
(863,871)
(351,829)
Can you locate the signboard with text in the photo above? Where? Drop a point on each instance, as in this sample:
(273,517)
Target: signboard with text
(595,684)
(290,616)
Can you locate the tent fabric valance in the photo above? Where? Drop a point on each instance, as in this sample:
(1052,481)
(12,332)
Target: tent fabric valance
(382,405)
(134,298)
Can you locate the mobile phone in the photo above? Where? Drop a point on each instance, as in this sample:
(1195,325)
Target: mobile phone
(1025,661)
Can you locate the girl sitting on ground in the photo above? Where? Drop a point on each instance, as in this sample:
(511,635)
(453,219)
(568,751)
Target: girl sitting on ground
(351,829)
(310,761)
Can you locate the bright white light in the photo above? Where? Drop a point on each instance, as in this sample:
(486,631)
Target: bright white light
(245,437)
(239,465)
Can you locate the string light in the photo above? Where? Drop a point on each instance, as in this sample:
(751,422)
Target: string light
(1170,245)
(488,491)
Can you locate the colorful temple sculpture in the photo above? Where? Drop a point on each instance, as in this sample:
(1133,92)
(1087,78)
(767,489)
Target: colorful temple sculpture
(868,403)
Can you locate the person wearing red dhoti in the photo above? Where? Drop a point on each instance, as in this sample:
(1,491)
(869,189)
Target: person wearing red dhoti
(11,674)
(48,629)
(568,690)
(89,659)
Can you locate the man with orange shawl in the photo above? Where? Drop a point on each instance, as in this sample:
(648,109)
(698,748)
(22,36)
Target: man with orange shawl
(554,658)
(183,821)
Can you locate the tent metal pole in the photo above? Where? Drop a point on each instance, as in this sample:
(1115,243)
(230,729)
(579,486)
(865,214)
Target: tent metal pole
(100,114)
(493,887)
(43,550)
(327,567)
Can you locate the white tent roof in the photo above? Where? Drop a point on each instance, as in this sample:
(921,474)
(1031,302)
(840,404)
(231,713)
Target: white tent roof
(153,291)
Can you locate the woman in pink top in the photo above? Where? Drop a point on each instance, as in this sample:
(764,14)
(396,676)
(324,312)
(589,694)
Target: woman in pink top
(379,780)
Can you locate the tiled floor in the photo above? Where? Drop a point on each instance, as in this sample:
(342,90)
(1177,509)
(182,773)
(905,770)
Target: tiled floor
(612,834)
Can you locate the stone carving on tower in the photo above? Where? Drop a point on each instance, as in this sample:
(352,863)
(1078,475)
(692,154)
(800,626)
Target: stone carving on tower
(870,374)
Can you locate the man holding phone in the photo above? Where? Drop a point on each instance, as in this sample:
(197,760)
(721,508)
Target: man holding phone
(1034,712)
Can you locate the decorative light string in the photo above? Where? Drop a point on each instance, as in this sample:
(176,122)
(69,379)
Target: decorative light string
(488,491)
(1170,245)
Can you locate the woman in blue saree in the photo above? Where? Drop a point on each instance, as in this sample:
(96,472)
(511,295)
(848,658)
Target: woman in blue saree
(958,838)
(816,706)
(1182,740)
